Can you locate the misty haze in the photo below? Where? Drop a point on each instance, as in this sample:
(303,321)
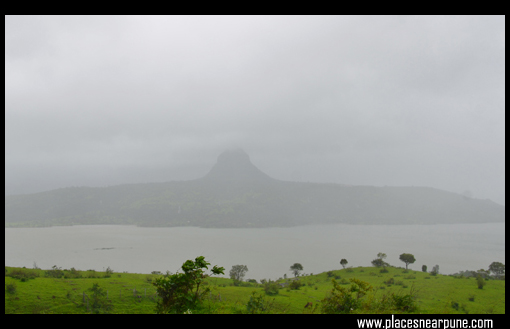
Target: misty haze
(139,142)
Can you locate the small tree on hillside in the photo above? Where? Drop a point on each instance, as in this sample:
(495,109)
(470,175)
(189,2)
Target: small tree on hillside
(424,268)
(238,271)
(100,303)
(343,262)
(296,268)
(435,270)
(497,268)
(379,261)
(407,259)
(480,282)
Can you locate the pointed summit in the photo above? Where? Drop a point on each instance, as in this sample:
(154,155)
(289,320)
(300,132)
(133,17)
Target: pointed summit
(235,165)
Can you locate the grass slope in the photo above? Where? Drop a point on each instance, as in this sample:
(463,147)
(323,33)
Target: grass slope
(133,293)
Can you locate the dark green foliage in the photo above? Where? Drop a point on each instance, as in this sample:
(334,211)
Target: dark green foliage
(295,285)
(72,274)
(379,261)
(296,269)
(22,274)
(424,268)
(181,292)
(258,304)
(435,270)
(345,300)
(108,272)
(271,288)
(343,262)
(55,272)
(390,281)
(238,272)
(498,269)
(404,302)
(10,288)
(407,259)
(98,301)
(480,282)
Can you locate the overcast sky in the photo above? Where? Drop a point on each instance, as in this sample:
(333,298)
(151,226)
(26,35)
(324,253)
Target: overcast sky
(361,100)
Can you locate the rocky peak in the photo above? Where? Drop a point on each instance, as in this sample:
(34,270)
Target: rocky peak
(235,165)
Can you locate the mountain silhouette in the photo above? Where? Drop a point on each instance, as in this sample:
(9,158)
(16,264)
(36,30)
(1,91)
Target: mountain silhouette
(235,193)
(235,166)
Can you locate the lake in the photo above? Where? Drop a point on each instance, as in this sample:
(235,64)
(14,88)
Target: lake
(268,252)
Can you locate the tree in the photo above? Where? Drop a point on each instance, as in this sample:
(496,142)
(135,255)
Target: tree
(237,272)
(480,282)
(379,261)
(435,270)
(424,268)
(407,259)
(343,262)
(100,304)
(296,268)
(181,292)
(497,268)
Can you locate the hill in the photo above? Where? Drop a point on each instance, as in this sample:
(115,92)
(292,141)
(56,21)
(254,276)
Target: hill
(34,291)
(235,193)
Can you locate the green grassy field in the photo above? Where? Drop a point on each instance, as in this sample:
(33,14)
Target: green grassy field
(134,293)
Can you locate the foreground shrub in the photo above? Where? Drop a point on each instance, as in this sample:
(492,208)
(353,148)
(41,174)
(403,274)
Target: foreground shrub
(55,272)
(259,305)
(99,303)
(356,299)
(342,300)
(480,282)
(271,288)
(295,285)
(10,288)
(181,292)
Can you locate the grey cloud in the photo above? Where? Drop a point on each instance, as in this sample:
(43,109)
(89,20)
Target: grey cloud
(385,100)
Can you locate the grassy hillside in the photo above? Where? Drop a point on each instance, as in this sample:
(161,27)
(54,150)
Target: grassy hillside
(36,291)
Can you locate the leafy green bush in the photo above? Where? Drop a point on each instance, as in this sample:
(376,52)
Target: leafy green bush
(108,272)
(181,292)
(342,300)
(271,288)
(99,303)
(295,285)
(55,272)
(23,274)
(257,304)
(480,282)
(10,288)
(72,273)
(390,281)
(404,302)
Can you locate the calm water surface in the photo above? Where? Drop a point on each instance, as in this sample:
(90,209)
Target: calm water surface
(268,252)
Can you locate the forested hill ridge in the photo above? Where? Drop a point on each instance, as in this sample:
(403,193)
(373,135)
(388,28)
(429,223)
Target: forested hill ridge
(235,193)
